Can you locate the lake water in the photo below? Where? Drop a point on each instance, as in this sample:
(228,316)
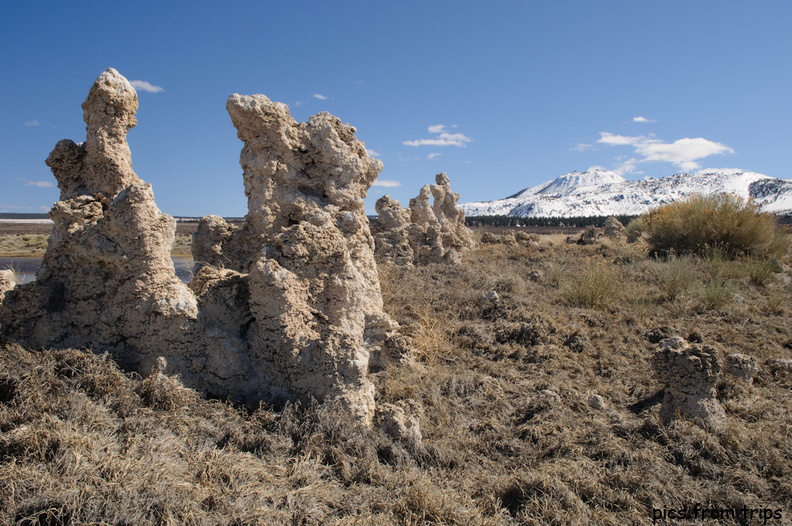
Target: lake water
(26,268)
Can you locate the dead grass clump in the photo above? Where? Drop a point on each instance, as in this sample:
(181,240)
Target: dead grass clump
(165,393)
(761,271)
(776,302)
(543,499)
(675,276)
(555,273)
(715,294)
(596,287)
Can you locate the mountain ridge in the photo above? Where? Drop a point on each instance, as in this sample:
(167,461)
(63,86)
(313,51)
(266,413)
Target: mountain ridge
(598,192)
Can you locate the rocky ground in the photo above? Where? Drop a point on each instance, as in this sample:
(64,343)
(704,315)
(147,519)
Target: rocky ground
(528,396)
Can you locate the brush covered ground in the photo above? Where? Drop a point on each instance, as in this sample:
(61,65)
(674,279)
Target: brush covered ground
(502,389)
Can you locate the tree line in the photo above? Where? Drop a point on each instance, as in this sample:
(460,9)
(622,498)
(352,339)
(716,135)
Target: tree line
(510,221)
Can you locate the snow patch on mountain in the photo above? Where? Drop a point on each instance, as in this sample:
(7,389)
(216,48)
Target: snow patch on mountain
(603,193)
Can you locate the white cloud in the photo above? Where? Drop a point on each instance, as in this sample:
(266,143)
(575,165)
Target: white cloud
(612,139)
(386,183)
(41,184)
(373,153)
(319,96)
(582,147)
(34,122)
(433,156)
(626,167)
(642,119)
(143,85)
(443,138)
(684,153)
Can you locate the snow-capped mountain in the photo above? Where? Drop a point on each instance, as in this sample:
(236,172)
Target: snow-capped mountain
(604,193)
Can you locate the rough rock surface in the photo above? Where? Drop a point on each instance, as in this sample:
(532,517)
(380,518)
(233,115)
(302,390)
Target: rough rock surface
(306,247)
(589,236)
(596,402)
(742,367)
(489,300)
(286,307)
(7,282)
(423,233)
(510,238)
(613,229)
(633,236)
(209,240)
(401,421)
(392,232)
(689,374)
(107,281)
(489,238)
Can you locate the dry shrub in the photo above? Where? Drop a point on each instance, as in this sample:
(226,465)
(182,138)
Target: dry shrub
(715,294)
(775,302)
(675,276)
(760,271)
(555,273)
(635,228)
(724,221)
(630,254)
(597,287)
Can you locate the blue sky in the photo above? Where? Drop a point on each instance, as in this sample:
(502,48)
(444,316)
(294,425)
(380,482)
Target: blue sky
(500,95)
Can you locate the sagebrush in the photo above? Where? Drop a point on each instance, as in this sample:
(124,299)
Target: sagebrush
(724,222)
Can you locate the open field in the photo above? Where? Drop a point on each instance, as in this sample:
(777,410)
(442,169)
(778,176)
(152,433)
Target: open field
(503,390)
(29,238)
(18,239)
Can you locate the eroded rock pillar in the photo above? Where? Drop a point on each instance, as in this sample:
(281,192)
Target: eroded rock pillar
(315,292)
(107,281)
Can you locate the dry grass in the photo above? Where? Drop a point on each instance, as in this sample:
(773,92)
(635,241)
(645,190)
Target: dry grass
(23,245)
(34,245)
(595,287)
(182,245)
(508,436)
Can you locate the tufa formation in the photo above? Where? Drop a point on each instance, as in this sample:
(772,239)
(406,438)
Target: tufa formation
(107,281)
(689,374)
(423,233)
(286,307)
